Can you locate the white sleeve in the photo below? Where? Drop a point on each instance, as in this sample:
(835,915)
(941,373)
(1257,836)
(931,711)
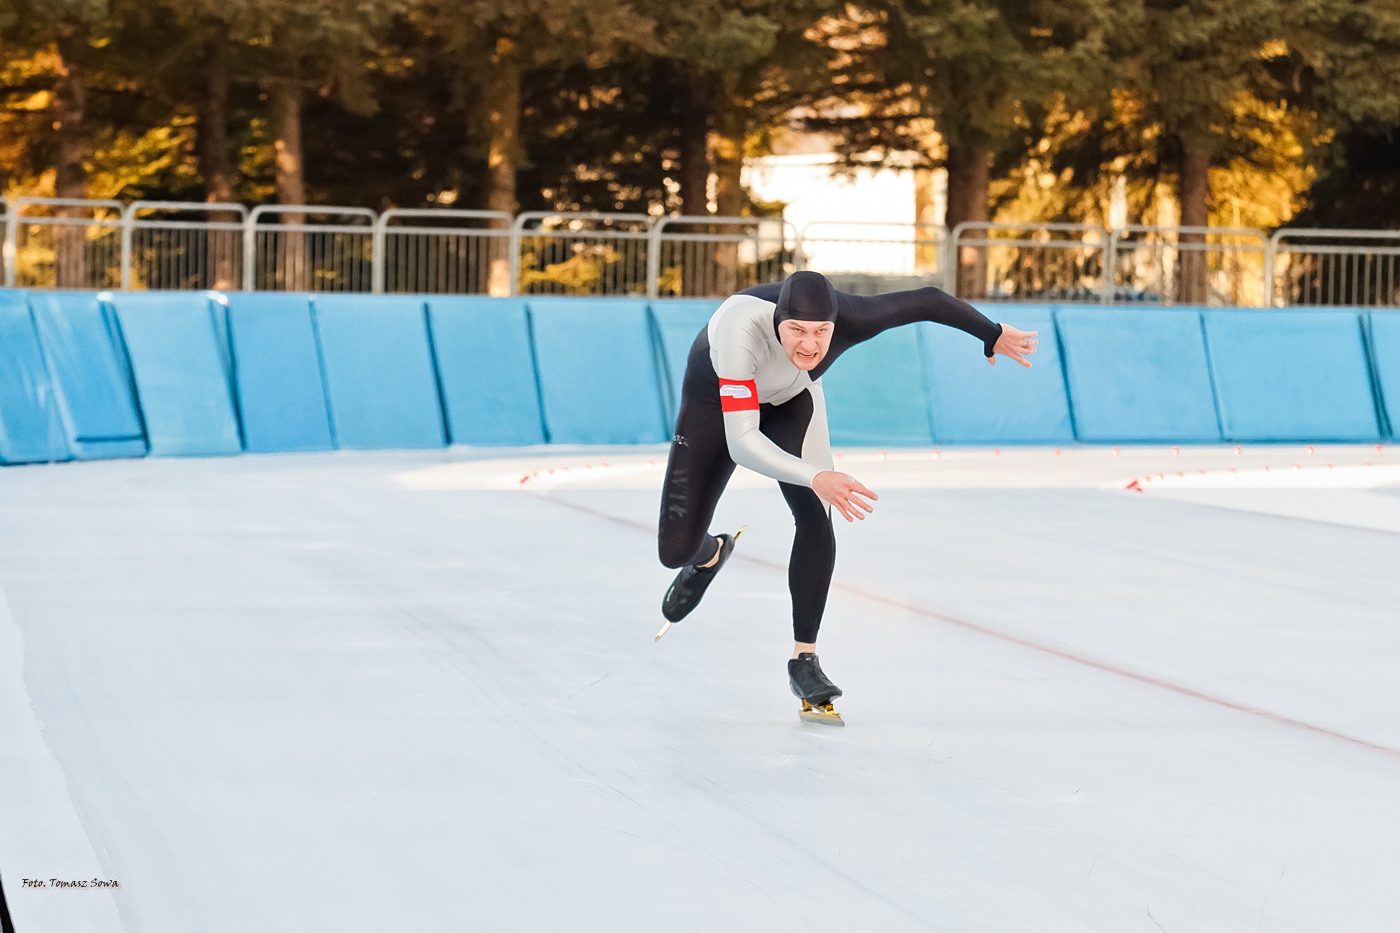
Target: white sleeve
(816,448)
(736,361)
(749,448)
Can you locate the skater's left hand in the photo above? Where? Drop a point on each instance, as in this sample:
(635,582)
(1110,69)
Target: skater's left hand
(843,492)
(1016,344)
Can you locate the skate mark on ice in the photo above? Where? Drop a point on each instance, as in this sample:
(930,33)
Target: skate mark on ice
(584,688)
(1061,653)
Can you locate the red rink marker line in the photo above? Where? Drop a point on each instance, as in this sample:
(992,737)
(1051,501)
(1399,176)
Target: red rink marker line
(1051,650)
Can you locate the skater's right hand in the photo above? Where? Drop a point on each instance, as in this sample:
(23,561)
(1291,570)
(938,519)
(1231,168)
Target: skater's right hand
(842,491)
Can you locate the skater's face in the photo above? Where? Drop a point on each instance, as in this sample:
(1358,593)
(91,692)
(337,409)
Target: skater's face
(805,342)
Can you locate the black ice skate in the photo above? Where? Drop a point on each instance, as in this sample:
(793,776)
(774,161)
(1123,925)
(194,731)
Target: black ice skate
(690,584)
(816,691)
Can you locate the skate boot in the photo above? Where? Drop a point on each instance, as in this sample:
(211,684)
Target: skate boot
(816,691)
(690,584)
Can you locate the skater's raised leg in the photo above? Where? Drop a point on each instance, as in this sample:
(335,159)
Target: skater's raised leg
(690,584)
(697,471)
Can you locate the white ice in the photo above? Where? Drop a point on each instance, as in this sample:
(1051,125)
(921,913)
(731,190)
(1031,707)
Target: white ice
(408,692)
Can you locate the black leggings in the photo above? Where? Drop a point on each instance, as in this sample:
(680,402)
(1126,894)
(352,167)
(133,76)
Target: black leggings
(699,468)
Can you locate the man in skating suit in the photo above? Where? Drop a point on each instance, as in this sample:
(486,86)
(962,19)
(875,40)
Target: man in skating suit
(752,394)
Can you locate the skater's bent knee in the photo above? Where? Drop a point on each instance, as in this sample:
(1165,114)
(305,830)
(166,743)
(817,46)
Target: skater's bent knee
(812,516)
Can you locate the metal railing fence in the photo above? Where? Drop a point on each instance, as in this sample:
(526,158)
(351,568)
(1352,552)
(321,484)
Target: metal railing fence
(63,243)
(1216,266)
(442,251)
(866,258)
(1334,267)
(102,244)
(585,253)
(305,252)
(1029,261)
(706,256)
(182,244)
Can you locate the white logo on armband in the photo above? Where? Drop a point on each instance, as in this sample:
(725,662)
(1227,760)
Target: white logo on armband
(734,391)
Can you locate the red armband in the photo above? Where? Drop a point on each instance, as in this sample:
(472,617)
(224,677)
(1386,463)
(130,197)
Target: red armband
(738,395)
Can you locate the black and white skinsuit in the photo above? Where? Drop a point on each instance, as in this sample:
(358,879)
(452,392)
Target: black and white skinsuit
(743,401)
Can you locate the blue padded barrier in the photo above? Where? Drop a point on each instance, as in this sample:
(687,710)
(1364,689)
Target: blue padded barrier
(179,362)
(876,393)
(678,322)
(1290,376)
(973,403)
(31,428)
(597,371)
(487,369)
(277,373)
(381,379)
(1137,375)
(1384,329)
(89,375)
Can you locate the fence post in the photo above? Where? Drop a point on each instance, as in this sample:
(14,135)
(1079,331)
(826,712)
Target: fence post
(376,254)
(517,229)
(953,260)
(11,241)
(1270,247)
(128,217)
(654,257)
(1110,267)
(250,259)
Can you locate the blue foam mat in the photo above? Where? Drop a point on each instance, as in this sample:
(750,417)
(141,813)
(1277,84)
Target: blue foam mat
(31,427)
(1385,352)
(597,371)
(179,361)
(877,394)
(1138,375)
(973,403)
(381,379)
(1291,375)
(89,374)
(678,322)
(487,369)
(277,373)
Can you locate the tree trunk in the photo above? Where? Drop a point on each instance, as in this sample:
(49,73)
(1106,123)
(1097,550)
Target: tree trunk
(503,154)
(1193,267)
(215,164)
(695,146)
(293,263)
(926,204)
(727,151)
(969,183)
(70,177)
(696,101)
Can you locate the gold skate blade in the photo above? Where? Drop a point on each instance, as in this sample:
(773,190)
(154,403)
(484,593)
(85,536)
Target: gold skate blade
(739,532)
(664,629)
(824,714)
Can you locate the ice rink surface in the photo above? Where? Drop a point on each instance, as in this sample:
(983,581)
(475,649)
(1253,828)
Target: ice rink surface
(419,692)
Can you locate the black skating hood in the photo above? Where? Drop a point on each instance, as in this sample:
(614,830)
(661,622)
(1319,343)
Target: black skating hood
(805,296)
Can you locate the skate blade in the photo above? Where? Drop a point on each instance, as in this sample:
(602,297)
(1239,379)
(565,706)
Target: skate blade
(824,714)
(667,627)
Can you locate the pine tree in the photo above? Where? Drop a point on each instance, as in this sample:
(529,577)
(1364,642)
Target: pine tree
(979,72)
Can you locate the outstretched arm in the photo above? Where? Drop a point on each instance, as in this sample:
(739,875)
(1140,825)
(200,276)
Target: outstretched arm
(861,317)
